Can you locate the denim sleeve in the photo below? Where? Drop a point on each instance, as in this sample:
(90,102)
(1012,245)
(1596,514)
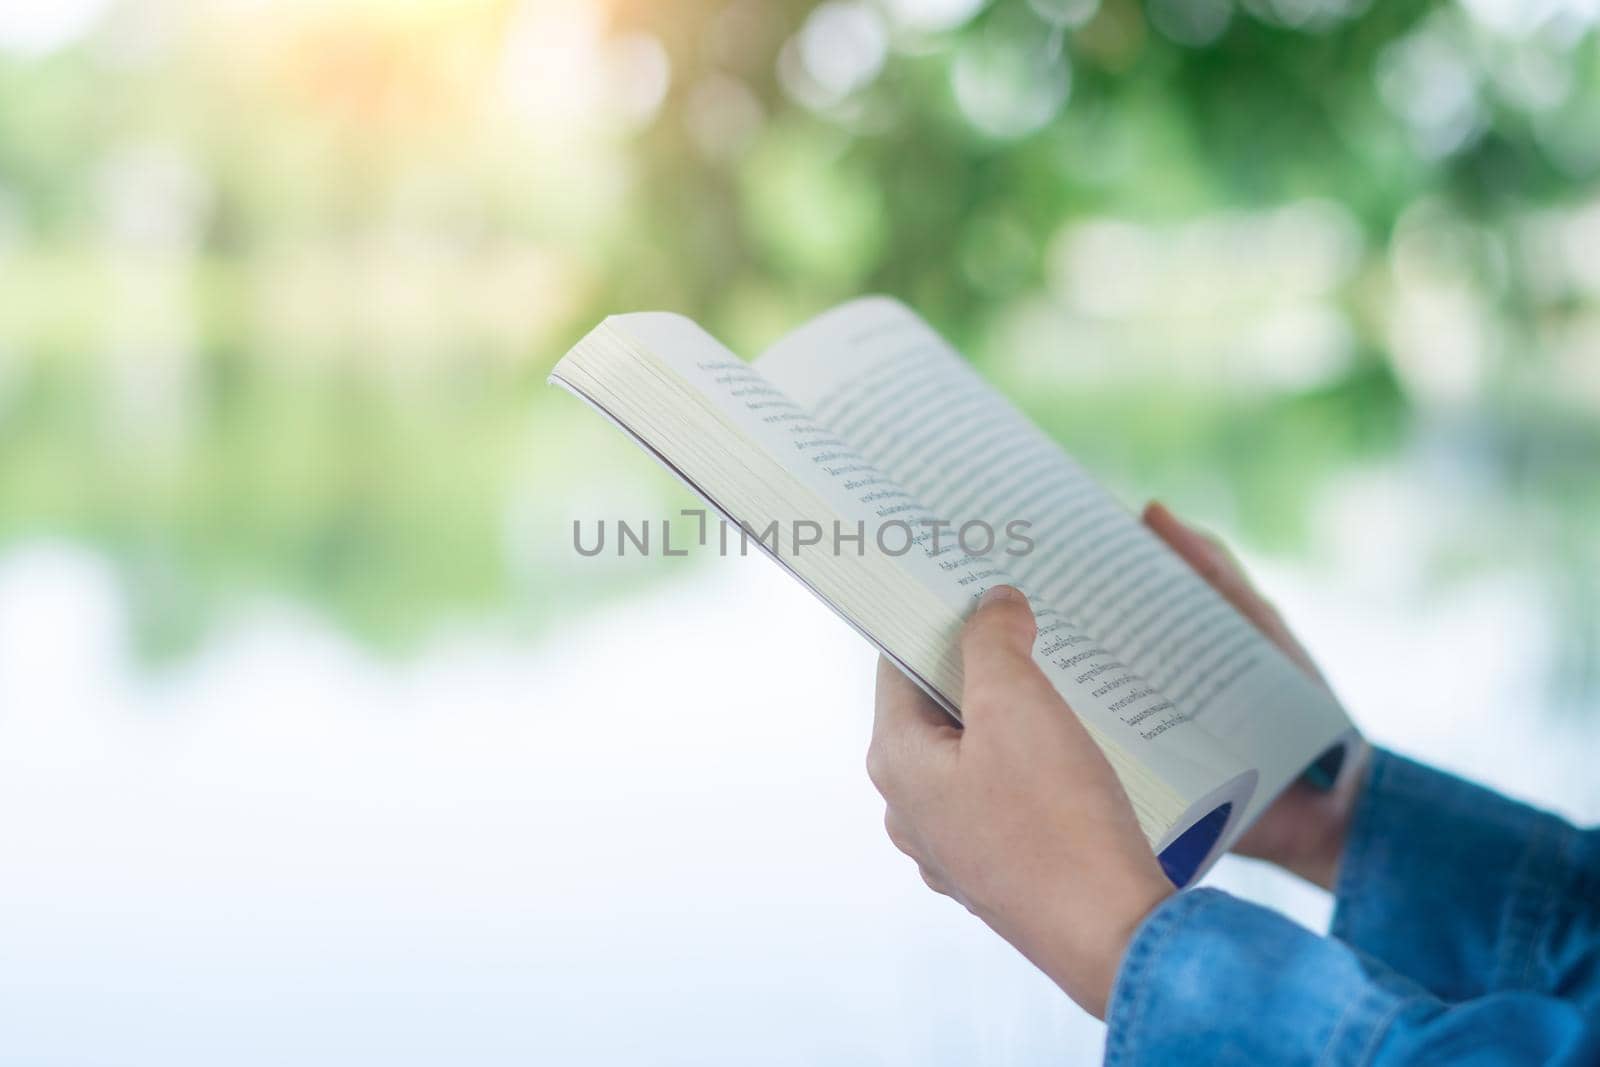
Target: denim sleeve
(1467,892)
(1211,979)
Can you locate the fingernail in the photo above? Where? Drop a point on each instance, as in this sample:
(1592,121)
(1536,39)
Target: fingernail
(997,594)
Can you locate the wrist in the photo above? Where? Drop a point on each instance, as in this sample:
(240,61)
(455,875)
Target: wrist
(1119,937)
(1081,943)
(1320,853)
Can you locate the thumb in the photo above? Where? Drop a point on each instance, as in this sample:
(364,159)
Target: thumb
(997,656)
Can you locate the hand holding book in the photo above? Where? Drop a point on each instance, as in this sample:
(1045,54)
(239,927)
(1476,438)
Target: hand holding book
(1020,818)
(1017,815)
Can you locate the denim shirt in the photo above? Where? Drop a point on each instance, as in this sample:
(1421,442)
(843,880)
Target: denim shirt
(1466,930)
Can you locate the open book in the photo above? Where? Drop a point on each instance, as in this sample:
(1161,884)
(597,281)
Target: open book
(865,456)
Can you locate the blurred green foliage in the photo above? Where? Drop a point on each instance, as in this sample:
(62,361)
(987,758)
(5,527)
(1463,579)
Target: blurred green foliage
(279,283)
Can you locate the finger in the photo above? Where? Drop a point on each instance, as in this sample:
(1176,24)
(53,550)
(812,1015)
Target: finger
(907,727)
(997,657)
(1213,563)
(1216,565)
(1200,552)
(902,704)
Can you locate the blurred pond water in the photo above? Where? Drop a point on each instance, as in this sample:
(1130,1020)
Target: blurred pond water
(646,838)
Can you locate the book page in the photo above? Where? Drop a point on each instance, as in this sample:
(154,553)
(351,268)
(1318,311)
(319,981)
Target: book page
(880,378)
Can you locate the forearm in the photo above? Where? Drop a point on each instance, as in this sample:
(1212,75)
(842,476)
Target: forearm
(1466,891)
(1212,979)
